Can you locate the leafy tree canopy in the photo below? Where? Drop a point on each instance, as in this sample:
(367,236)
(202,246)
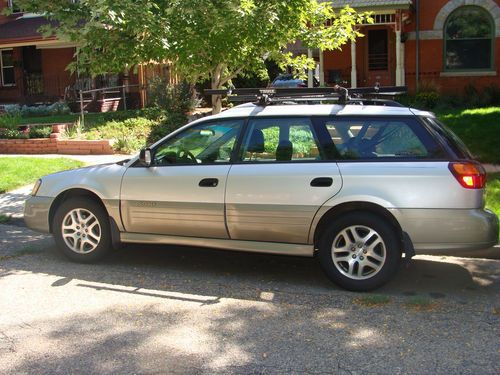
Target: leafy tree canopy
(205,39)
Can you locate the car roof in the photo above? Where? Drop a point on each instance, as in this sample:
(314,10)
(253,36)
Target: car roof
(254,110)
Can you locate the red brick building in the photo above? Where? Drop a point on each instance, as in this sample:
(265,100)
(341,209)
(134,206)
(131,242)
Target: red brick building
(458,45)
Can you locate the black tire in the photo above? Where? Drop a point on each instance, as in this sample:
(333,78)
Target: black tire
(339,271)
(103,246)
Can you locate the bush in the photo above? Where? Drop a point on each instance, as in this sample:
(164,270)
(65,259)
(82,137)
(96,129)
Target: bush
(178,98)
(59,108)
(129,135)
(9,121)
(40,132)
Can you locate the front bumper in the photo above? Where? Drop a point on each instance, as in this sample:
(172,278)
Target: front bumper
(36,213)
(449,230)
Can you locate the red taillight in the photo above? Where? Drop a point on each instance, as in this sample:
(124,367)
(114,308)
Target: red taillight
(470,175)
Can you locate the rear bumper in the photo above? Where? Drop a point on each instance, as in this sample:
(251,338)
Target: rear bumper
(449,230)
(36,213)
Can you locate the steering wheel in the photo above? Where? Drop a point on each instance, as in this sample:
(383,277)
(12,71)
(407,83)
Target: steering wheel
(186,155)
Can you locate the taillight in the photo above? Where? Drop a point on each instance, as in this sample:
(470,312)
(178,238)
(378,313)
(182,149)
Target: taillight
(470,175)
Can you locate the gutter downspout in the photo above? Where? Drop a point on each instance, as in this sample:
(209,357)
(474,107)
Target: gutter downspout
(417,46)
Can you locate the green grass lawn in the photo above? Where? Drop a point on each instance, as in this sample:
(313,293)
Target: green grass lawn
(493,193)
(478,128)
(20,171)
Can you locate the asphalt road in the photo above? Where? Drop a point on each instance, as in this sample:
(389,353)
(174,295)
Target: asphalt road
(175,310)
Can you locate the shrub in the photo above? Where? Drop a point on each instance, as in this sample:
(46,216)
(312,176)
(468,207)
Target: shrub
(178,98)
(59,108)
(40,131)
(129,135)
(9,121)
(427,100)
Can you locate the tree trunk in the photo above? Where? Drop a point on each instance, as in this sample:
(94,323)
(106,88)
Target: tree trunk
(216,85)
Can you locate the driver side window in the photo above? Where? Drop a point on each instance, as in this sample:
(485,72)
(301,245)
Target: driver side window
(207,143)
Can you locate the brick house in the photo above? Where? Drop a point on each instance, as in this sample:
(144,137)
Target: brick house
(458,45)
(33,68)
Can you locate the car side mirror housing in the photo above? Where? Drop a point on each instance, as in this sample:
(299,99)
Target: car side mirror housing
(145,157)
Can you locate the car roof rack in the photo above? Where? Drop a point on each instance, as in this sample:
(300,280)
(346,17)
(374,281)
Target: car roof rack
(294,95)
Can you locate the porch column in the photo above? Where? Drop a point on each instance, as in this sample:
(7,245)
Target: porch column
(354,75)
(398,58)
(310,72)
(321,68)
(402,67)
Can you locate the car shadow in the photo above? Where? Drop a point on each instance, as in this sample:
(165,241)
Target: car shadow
(179,272)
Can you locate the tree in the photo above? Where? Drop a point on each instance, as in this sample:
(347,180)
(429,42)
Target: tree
(205,39)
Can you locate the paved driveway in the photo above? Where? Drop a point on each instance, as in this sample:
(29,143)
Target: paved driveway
(179,310)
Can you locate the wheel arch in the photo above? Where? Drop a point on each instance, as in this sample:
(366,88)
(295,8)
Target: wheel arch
(69,193)
(359,206)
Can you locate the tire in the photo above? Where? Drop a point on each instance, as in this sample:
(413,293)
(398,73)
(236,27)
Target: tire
(86,236)
(355,263)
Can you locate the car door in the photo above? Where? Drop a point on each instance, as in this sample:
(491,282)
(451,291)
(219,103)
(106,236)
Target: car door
(182,192)
(279,182)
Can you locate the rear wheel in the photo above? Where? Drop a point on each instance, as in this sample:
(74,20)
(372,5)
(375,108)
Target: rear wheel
(359,251)
(81,230)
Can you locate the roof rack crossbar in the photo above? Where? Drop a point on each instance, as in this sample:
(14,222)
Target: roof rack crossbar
(267,96)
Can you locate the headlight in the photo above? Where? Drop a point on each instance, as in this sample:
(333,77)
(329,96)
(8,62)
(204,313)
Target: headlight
(36,187)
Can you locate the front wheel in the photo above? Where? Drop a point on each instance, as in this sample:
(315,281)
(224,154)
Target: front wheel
(359,251)
(81,230)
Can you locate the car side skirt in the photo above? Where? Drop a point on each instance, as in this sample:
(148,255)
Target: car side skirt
(221,244)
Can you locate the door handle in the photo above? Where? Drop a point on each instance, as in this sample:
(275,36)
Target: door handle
(209,182)
(322,182)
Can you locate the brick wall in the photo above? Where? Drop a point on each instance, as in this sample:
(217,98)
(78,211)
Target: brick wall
(55,146)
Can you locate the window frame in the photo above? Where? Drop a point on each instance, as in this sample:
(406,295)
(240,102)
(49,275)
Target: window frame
(238,151)
(185,128)
(413,122)
(2,67)
(492,38)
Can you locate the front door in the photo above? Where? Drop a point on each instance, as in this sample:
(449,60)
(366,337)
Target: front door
(182,192)
(378,58)
(280,182)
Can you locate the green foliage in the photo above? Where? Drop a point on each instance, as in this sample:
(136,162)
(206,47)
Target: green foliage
(40,131)
(9,120)
(178,98)
(59,108)
(129,135)
(205,39)
(19,171)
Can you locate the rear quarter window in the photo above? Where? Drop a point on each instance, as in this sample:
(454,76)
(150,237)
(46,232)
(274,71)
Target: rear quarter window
(354,138)
(449,138)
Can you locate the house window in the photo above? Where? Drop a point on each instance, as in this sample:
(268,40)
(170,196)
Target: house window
(468,35)
(7,77)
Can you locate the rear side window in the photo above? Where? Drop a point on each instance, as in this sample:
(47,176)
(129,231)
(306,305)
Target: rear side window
(349,138)
(450,138)
(280,139)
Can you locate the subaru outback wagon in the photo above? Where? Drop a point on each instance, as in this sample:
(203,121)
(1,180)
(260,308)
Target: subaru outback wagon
(354,185)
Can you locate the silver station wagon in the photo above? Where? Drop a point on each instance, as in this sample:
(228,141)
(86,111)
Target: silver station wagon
(355,184)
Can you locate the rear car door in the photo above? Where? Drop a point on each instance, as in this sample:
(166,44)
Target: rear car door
(182,192)
(279,182)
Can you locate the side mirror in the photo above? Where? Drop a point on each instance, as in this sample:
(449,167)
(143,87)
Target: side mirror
(145,157)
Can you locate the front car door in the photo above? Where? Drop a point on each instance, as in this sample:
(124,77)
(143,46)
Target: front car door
(182,192)
(279,182)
